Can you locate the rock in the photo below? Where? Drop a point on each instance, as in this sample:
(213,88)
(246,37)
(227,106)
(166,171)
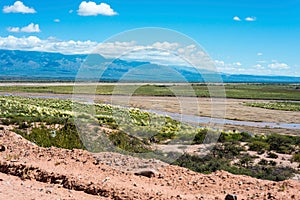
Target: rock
(2,148)
(146,173)
(230,197)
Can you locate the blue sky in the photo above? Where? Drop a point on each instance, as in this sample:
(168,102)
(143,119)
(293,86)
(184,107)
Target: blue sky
(242,36)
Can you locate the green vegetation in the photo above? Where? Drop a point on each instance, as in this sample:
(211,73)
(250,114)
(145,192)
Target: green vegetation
(229,149)
(220,159)
(244,91)
(288,106)
(52,122)
(67,137)
(296,157)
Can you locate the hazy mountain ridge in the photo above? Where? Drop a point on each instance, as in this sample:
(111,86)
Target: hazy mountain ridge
(31,65)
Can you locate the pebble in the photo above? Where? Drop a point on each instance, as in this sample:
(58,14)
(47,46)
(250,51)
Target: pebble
(2,148)
(231,197)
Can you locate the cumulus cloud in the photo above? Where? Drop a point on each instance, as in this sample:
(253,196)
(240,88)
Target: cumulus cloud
(236,18)
(258,66)
(238,64)
(92,9)
(18,7)
(220,63)
(250,19)
(13,29)
(278,65)
(33,43)
(31,28)
(166,53)
(56,20)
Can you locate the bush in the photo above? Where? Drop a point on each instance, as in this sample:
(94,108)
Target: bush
(200,136)
(258,146)
(272,155)
(296,158)
(280,143)
(128,143)
(263,162)
(67,137)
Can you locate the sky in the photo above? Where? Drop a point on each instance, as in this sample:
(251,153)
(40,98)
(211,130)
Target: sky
(240,36)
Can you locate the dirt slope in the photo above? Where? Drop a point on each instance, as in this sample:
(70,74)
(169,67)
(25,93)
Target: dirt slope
(31,172)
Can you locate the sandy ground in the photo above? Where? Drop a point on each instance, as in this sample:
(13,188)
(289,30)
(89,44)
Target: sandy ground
(12,187)
(228,108)
(31,172)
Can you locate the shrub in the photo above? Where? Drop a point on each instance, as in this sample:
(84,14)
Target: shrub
(272,155)
(296,158)
(258,146)
(128,143)
(200,136)
(263,162)
(67,137)
(280,143)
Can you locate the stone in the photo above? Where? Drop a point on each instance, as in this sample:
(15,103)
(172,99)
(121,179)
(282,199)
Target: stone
(2,148)
(231,197)
(146,173)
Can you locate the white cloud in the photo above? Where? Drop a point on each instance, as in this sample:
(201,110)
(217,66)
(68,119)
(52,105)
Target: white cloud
(13,29)
(166,53)
(33,43)
(71,11)
(259,54)
(92,9)
(236,18)
(238,64)
(220,63)
(56,20)
(278,65)
(31,28)
(18,7)
(159,52)
(250,19)
(258,66)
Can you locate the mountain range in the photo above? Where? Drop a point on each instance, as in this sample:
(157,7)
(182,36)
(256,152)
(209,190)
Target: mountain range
(18,65)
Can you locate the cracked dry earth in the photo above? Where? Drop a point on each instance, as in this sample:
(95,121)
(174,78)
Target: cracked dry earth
(31,172)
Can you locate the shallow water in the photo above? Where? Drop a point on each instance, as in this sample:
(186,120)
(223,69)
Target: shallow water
(206,120)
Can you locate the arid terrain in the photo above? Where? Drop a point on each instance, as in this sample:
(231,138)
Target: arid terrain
(31,172)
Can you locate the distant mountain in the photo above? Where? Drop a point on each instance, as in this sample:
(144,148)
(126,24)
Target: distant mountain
(30,66)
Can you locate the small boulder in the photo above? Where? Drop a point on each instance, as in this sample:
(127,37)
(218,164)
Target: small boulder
(2,148)
(147,173)
(231,197)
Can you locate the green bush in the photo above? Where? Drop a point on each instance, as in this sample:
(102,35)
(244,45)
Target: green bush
(272,155)
(280,143)
(200,136)
(67,137)
(127,143)
(258,146)
(296,157)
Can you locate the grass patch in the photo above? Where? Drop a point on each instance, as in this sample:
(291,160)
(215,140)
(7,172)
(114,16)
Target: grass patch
(287,106)
(240,91)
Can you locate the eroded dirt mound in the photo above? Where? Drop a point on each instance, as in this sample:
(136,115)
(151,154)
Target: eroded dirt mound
(31,172)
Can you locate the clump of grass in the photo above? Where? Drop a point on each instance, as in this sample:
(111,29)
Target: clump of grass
(67,137)
(287,106)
